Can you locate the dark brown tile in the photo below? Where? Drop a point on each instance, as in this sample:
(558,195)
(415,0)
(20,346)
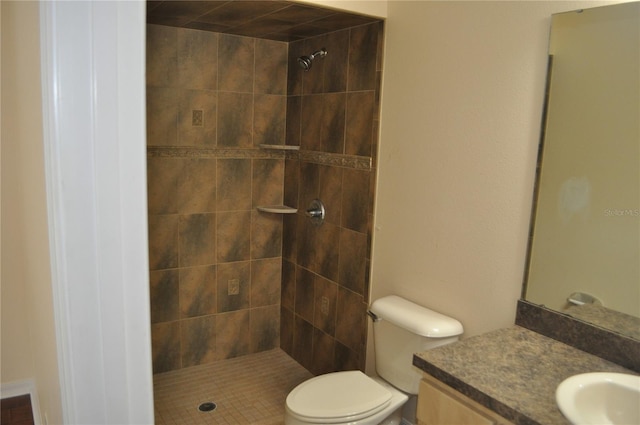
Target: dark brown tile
(197,240)
(313,78)
(198,340)
(163,177)
(271,67)
(323,353)
(353,260)
(291,180)
(235,120)
(163,294)
(330,192)
(162,116)
(311,124)
(165,346)
(347,359)
(335,67)
(359,123)
(288,290)
(235,13)
(265,328)
(355,200)
(290,236)
(269,120)
(268,177)
(198,291)
(351,326)
(293,123)
(162,56)
(303,342)
(177,13)
(236,63)
(197,59)
(232,334)
(326,296)
(266,278)
(340,21)
(197,123)
(233,184)
(197,186)
(266,235)
(326,238)
(233,237)
(333,122)
(305,289)
(231,275)
(163,242)
(309,188)
(363,48)
(294,72)
(306,242)
(286,330)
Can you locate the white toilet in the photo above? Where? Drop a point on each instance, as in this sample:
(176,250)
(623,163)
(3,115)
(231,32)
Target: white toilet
(400,329)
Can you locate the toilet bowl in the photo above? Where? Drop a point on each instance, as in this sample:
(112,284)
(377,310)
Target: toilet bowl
(349,397)
(400,329)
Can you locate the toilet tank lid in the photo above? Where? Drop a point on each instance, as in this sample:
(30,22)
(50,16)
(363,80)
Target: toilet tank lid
(415,318)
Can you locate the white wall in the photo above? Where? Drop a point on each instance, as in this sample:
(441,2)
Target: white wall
(462,100)
(28,334)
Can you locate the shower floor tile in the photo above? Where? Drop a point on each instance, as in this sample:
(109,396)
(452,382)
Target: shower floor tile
(247,390)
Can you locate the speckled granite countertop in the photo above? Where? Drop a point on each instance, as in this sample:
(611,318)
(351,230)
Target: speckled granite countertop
(512,371)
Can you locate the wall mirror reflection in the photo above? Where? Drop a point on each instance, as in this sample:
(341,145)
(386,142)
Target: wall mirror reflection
(584,255)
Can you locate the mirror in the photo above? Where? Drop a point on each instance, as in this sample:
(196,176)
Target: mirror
(584,253)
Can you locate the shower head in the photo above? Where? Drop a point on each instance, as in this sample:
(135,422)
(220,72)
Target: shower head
(306,61)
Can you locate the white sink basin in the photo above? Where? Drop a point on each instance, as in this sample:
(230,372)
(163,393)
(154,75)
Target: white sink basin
(600,398)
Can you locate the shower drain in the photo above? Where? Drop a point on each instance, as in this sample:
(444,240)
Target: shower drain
(207,407)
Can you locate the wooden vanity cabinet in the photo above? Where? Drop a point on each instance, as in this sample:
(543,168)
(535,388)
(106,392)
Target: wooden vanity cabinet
(439,404)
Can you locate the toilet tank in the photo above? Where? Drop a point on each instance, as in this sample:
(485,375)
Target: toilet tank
(401,329)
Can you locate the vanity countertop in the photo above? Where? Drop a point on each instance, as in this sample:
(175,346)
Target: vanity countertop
(512,371)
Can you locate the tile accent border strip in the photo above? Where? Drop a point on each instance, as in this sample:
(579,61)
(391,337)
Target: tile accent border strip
(322,158)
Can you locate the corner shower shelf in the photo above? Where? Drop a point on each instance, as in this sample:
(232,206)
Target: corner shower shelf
(281,147)
(277,209)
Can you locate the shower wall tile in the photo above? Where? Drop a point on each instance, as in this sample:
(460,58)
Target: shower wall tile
(198,340)
(294,72)
(305,289)
(266,278)
(269,121)
(353,256)
(363,45)
(197,53)
(197,118)
(163,177)
(198,291)
(290,236)
(291,181)
(163,291)
(359,123)
(335,69)
(233,336)
(236,63)
(347,359)
(302,350)
(197,239)
(350,329)
(323,353)
(235,120)
(288,289)
(326,239)
(325,300)
(330,192)
(267,182)
(233,184)
(196,185)
(162,116)
(265,328)
(162,65)
(293,121)
(233,243)
(230,274)
(266,235)
(163,241)
(333,122)
(271,67)
(165,346)
(286,330)
(355,199)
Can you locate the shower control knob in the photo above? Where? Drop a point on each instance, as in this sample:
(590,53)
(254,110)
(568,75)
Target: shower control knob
(316,212)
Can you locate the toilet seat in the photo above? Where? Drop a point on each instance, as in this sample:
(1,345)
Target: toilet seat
(338,397)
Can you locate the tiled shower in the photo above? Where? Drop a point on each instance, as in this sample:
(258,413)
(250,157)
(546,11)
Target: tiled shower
(229,280)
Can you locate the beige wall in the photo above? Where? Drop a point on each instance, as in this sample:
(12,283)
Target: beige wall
(28,339)
(462,100)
